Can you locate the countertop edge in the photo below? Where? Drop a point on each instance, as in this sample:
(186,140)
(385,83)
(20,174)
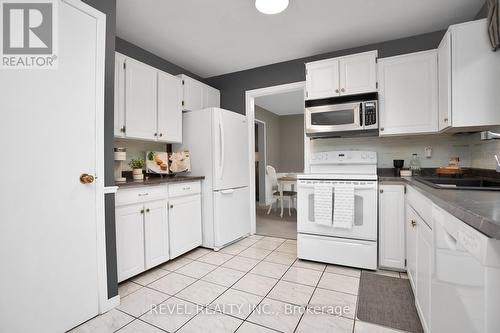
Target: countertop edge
(158,181)
(478,222)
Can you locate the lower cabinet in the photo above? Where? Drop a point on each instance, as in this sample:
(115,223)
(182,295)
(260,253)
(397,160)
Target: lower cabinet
(411,245)
(130,240)
(184,214)
(155,224)
(424,272)
(392,227)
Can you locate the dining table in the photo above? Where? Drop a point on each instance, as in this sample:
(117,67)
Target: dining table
(284,181)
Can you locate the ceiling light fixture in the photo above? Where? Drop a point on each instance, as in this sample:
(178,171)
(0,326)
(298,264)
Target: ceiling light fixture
(271,6)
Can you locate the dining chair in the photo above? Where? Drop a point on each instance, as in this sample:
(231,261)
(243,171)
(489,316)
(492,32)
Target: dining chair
(277,192)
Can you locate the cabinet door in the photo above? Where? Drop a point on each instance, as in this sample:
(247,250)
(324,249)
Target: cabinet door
(411,245)
(358,73)
(424,271)
(392,224)
(408,94)
(322,79)
(119,95)
(184,215)
(193,94)
(140,100)
(476,76)
(444,80)
(211,97)
(169,108)
(129,241)
(156,233)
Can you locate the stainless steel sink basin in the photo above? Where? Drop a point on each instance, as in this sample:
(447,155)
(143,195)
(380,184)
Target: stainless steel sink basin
(472,183)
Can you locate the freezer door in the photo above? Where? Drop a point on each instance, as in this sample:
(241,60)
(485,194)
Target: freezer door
(231,215)
(230,150)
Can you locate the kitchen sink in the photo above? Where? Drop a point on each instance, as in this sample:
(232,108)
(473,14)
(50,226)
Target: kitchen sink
(472,183)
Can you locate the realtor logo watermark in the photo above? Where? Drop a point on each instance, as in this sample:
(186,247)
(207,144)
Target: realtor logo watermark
(29,34)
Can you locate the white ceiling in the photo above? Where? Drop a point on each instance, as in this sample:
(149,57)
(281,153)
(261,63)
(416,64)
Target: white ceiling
(213,37)
(283,104)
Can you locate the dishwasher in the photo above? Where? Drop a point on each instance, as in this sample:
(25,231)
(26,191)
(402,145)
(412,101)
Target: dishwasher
(465,287)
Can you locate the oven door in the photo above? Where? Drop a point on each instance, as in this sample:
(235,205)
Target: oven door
(334,118)
(365,210)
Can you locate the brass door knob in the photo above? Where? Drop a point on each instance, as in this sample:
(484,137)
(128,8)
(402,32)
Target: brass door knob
(86,178)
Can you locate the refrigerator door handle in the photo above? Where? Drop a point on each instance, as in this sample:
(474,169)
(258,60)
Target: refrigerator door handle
(222,144)
(231,191)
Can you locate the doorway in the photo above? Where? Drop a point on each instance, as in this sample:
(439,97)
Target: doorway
(278,154)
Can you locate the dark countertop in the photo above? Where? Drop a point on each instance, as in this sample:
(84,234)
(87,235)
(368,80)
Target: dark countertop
(479,209)
(158,180)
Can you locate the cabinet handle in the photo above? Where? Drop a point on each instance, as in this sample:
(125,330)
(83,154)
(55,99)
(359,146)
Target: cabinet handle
(161,134)
(147,210)
(122,129)
(343,90)
(337,91)
(171,206)
(156,134)
(413,223)
(445,120)
(381,129)
(143,194)
(142,211)
(381,191)
(186,188)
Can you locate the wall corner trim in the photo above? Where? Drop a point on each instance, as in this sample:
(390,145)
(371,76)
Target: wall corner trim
(110,189)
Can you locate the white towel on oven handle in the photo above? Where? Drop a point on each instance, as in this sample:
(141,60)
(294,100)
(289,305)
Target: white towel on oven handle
(323,204)
(343,206)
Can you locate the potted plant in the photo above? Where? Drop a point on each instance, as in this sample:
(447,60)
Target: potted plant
(137,165)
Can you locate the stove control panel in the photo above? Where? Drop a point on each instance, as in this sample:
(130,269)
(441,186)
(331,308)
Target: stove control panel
(344,157)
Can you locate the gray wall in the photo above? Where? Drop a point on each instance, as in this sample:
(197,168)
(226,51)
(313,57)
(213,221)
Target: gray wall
(234,85)
(272,136)
(292,143)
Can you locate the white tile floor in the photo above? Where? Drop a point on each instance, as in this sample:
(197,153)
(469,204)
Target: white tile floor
(256,285)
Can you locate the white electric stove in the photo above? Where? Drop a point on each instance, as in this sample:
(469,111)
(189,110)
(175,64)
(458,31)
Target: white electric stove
(356,246)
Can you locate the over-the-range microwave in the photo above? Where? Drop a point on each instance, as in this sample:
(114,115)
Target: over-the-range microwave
(342,116)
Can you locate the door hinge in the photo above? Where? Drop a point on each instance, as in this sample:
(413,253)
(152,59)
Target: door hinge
(124,65)
(405,262)
(182,82)
(376,85)
(307,94)
(404,188)
(182,103)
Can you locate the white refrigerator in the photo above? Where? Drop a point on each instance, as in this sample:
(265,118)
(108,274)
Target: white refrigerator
(218,142)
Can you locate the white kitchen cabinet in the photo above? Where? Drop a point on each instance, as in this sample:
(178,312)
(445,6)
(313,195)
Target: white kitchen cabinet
(411,245)
(349,75)
(322,79)
(424,272)
(469,77)
(408,94)
(119,121)
(140,100)
(197,95)
(392,227)
(444,80)
(358,73)
(169,108)
(184,214)
(211,97)
(129,240)
(156,233)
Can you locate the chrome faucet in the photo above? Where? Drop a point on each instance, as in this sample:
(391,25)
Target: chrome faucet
(498,164)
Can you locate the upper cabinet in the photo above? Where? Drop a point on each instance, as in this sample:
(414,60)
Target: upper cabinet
(408,94)
(147,102)
(469,77)
(197,95)
(349,75)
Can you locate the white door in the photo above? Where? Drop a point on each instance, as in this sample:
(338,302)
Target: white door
(156,233)
(424,272)
(184,216)
(358,73)
(119,95)
(408,94)
(140,100)
(444,81)
(49,219)
(231,149)
(193,94)
(169,108)
(231,215)
(411,245)
(391,214)
(129,240)
(322,79)
(211,97)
